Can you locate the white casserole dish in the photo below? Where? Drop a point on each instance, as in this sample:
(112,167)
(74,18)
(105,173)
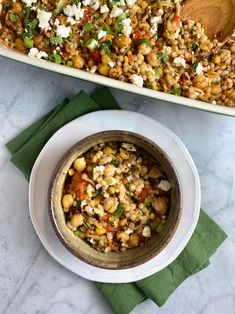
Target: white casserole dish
(99,79)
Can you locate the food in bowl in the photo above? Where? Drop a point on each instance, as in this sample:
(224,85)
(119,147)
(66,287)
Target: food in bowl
(116,196)
(115,199)
(139,41)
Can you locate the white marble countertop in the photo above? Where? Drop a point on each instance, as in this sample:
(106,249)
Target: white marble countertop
(30,280)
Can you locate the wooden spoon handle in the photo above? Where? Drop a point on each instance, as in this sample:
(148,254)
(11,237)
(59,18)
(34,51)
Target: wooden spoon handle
(217,16)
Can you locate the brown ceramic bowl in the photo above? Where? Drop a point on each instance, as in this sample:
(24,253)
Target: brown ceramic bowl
(80,248)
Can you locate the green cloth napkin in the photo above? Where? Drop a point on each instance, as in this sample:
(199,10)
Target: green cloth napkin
(207,237)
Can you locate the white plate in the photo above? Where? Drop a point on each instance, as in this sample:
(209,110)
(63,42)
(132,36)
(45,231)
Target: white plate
(99,79)
(94,122)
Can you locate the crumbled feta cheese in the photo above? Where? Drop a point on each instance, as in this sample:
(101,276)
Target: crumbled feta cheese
(154,22)
(98,171)
(83,203)
(95,5)
(137,80)
(180,61)
(56,22)
(128,231)
(128,146)
(89,210)
(74,11)
(90,190)
(93,69)
(130,2)
(104,9)
(63,31)
(87,2)
(199,69)
(43,18)
(112,64)
(126,27)
(71,21)
(29,2)
(101,34)
(146,232)
(35,53)
(164,185)
(99,211)
(116,12)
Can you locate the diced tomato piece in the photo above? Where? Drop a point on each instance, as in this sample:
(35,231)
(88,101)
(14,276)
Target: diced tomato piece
(87,16)
(177,20)
(104,217)
(96,56)
(139,34)
(110,228)
(144,194)
(79,186)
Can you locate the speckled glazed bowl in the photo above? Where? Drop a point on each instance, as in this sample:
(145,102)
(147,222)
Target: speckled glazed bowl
(80,248)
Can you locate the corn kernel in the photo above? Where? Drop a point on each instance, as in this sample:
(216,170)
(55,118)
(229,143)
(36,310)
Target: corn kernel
(109,20)
(107,149)
(144,4)
(123,222)
(100,230)
(71,172)
(217,60)
(126,60)
(110,180)
(204,46)
(111,190)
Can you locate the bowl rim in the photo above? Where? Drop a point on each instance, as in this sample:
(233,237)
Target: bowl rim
(57,172)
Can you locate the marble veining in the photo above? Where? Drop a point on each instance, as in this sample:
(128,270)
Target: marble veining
(30,280)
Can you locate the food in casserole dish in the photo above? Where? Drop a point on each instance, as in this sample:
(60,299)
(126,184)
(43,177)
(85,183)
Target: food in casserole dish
(140,41)
(116,196)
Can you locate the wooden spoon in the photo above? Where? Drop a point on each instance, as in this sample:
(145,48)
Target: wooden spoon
(216,16)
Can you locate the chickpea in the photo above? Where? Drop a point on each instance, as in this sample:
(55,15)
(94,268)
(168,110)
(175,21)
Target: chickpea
(154,173)
(100,230)
(110,204)
(17,7)
(122,41)
(71,172)
(78,61)
(19,45)
(103,69)
(144,49)
(79,164)
(76,220)
(110,181)
(122,236)
(109,170)
(67,201)
(153,59)
(106,59)
(160,205)
(143,171)
(134,240)
(215,89)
